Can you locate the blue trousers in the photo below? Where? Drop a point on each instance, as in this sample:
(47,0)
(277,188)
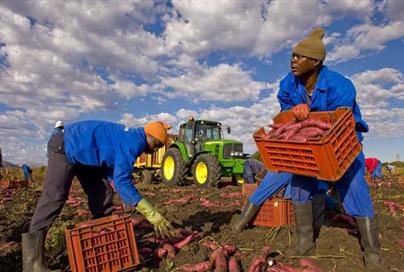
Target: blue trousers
(377,172)
(352,188)
(273,182)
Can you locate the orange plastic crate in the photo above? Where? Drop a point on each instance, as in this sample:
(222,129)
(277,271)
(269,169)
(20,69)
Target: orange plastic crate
(274,212)
(102,245)
(326,158)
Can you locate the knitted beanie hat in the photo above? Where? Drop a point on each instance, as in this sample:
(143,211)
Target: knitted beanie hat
(312,46)
(158,130)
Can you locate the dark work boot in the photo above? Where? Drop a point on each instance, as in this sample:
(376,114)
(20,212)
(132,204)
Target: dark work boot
(32,252)
(369,232)
(304,244)
(318,206)
(249,211)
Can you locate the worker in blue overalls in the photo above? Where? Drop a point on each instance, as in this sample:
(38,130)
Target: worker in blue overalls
(310,86)
(93,151)
(27,173)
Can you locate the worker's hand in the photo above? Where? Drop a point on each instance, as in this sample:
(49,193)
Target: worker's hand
(301,111)
(162,227)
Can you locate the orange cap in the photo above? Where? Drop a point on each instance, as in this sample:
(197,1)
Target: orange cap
(158,130)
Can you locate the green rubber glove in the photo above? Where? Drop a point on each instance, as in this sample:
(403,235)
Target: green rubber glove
(161,226)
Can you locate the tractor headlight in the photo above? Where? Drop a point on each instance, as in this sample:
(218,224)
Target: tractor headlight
(232,153)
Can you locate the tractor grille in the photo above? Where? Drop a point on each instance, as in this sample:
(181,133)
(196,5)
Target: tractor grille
(235,149)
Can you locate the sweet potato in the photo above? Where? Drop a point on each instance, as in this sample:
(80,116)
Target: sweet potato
(259,261)
(229,250)
(233,264)
(401,243)
(160,252)
(315,123)
(298,138)
(199,267)
(311,132)
(283,127)
(289,268)
(309,263)
(275,126)
(184,242)
(209,244)
(170,250)
(292,130)
(219,260)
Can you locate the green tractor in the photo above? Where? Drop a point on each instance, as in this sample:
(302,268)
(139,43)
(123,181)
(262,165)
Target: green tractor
(201,151)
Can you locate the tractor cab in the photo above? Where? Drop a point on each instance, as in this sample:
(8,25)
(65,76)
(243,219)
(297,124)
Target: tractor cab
(194,134)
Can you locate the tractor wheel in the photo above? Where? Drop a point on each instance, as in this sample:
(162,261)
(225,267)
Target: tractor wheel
(237,180)
(173,168)
(206,170)
(147,177)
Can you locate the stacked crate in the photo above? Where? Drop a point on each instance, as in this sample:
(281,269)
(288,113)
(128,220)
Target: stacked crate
(273,212)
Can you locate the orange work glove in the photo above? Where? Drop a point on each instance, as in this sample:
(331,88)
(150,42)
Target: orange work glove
(301,111)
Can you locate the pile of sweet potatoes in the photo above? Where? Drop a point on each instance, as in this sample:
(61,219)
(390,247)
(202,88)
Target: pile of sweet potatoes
(167,247)
(222,259)
(299,131)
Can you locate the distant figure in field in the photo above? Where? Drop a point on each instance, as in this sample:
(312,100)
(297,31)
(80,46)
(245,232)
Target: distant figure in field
(251,168)
(59,127)
(390,169)
(27,172)
(374,168)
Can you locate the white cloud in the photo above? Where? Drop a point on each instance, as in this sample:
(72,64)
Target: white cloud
(362,38)
(250,27)
(380,94)
(220,83)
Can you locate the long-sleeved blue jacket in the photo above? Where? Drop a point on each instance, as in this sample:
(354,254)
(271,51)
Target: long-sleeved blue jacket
(331,91)
(26,169)
(110,145)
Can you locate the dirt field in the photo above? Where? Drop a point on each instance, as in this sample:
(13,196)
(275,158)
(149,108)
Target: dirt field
(209,212)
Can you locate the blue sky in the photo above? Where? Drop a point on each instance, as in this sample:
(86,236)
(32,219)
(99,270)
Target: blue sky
(136,61)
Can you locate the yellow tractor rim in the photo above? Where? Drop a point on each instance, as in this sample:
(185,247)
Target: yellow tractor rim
(201,173)
(240,180)
(169,168)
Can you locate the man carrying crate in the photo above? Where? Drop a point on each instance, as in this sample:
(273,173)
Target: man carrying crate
(310,86)
(93,151)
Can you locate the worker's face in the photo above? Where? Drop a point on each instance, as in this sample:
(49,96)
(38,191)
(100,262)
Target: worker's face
(153,145)
(301,65)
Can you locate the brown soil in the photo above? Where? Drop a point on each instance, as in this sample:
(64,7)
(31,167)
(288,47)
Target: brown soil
(337,249)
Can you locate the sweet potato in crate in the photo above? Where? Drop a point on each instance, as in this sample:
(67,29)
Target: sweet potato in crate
(274,212)
(326,158)
(102,245)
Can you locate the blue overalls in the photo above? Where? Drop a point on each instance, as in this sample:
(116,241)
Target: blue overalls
(332,91)
(251,168)
(111,146)
(273,182)
(377,172)
(26,171)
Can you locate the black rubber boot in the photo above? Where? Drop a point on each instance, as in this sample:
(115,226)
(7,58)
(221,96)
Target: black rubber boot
(369,232)
(32,252)
(318,206)
(304,244)
(249,211)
